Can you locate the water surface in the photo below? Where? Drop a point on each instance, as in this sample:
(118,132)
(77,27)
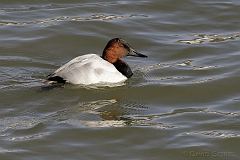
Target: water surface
(182,102)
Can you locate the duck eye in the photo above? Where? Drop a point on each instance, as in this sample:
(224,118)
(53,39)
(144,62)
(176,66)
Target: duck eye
(126,47)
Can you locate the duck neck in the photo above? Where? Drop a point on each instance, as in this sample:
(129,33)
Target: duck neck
(123,68)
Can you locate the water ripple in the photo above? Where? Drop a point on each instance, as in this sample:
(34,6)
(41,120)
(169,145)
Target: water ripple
(2,150)
(17,123)
(59,6)
(57,20)
(216,134)
(211,38)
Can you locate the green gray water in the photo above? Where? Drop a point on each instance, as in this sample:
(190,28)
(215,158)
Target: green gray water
(182,102)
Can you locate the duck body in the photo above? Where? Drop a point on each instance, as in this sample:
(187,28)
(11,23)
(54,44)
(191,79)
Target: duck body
(88,69)
(93,69)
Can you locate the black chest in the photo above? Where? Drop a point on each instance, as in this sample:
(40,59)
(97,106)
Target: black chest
(123,68)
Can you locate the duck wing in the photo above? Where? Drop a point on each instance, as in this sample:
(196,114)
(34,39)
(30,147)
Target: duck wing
(87,69)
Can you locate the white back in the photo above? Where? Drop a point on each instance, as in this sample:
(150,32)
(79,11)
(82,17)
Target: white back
(89,69)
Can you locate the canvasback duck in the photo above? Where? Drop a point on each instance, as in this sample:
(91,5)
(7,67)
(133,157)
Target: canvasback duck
(93,69)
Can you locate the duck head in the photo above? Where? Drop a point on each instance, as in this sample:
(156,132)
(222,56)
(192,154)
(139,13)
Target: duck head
(117,48)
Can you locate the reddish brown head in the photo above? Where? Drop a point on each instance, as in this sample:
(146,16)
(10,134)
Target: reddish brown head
(118,48)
